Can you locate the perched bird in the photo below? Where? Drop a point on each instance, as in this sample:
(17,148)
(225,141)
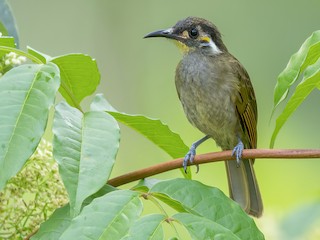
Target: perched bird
(218,98)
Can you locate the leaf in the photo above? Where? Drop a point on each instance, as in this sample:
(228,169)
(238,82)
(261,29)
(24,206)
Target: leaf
(310,81)
(3,30)
(156,131)
(102,191)
(7,42)
(208,202)
(26,94)
(85,147)
(57,223)
(147,228)
(153,129)
(7,19)
(203,228)
(144,185)
(41,56)
(307,55)
(107,217)
(79,77)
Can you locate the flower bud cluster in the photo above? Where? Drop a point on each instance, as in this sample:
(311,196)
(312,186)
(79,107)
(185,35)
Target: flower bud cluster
(32,195)
(10,60)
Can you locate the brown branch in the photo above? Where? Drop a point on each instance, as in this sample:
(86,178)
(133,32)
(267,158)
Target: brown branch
(214,157)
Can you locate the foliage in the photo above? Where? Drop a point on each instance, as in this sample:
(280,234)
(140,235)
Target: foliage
(305,63)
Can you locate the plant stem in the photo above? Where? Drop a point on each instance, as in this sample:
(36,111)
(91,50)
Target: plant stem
(214,157)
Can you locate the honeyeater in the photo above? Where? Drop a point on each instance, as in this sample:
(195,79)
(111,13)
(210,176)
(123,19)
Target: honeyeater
(218,98)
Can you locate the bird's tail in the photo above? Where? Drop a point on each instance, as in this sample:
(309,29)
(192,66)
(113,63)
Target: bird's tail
(243,186)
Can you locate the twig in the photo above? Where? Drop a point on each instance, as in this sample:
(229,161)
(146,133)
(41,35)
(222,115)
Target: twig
(214,157)
(31,234)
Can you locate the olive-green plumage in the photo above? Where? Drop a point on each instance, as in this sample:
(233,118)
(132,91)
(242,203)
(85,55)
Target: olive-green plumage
(218,98)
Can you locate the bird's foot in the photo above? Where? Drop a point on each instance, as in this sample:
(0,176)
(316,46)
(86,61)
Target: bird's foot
(192,153)
(237,152)
(189,157)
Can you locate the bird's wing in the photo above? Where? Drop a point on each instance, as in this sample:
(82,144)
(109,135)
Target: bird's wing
(246,105)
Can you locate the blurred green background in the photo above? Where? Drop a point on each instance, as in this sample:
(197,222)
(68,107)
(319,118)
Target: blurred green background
(137,75)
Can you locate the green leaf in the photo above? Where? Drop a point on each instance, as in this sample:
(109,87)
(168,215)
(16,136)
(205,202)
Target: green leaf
(203,228)
(79,77)
(102,191)
(147,228)
(156,131)
(44,58)
(208,202)
(307,55)
(153,129)
(26,94)
(3,29)
(85,147)
(7,42)
(310,81)
(144,185)
(107,217)
(53,228)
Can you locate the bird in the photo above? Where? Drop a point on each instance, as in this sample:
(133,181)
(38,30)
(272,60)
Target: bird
(218,98)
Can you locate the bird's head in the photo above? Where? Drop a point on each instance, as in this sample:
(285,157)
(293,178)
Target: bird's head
(192,34)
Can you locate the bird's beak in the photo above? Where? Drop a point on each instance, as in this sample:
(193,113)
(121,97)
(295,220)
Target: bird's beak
(167,33)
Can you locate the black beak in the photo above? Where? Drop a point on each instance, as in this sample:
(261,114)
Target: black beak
(167,33)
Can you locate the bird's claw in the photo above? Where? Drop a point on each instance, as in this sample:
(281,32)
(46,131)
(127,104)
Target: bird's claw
(237,152)
(189,157)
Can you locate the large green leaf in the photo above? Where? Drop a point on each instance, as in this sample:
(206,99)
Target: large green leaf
(147,228)
(85,147)
(156,131)
(310,81)
(26,94)
(79,77)
(308,54)
(153,129)
(203,228)
(53,228)
(107,217)
(207,202)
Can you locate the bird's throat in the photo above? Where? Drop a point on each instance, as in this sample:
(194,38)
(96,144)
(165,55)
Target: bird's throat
(184,48)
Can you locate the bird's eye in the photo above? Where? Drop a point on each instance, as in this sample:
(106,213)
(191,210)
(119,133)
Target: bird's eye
(193,33)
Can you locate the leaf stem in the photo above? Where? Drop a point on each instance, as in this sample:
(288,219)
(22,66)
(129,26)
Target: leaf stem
(155,202)
(214,157)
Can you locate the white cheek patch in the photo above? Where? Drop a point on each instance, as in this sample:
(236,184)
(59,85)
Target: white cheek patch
(214,47)
(208,43)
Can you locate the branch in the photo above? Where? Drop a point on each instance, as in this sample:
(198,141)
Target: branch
(214,157)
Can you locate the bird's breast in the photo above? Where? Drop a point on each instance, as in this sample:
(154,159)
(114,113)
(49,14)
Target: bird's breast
(205,91)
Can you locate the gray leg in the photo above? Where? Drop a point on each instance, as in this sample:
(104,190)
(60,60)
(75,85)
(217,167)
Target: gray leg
(192,153)
(237,151)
